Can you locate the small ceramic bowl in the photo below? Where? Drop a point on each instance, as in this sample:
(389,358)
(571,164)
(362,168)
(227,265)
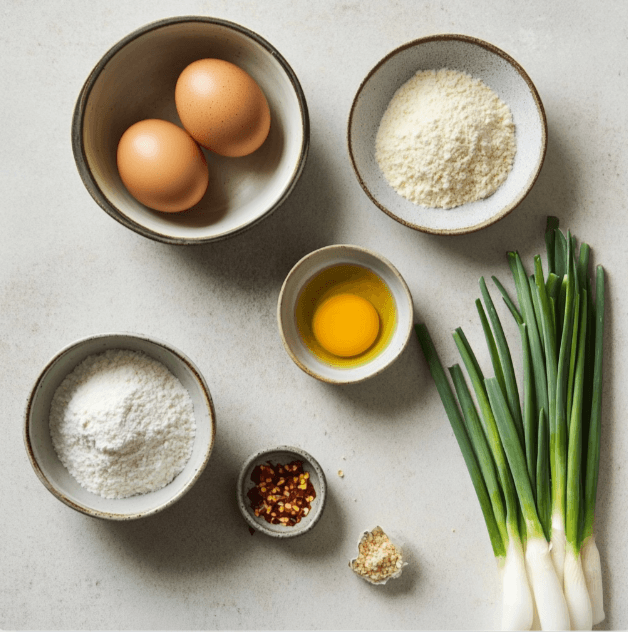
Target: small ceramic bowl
(306,269)
(53,474)
(282,455)
(136,80)
(481,60)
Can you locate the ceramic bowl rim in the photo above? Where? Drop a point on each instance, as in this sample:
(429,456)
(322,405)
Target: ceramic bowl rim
(282,298)
(537,100)
(57,493)
(78,117)
(322,497)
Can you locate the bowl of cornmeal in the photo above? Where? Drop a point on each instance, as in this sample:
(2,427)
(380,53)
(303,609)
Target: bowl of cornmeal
(119,426)
(447,134)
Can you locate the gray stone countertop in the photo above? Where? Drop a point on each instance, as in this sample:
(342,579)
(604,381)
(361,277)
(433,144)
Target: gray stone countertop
(68,270)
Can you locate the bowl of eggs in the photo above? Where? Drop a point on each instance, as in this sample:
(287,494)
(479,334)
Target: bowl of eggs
(190,130)
(344,314)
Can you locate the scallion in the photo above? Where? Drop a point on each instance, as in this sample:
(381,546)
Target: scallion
(535,469)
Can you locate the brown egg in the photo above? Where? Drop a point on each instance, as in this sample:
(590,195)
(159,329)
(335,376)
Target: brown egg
(162,166)
(222,107)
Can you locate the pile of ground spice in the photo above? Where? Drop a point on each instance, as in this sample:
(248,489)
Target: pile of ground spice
(378,558)
(282,493)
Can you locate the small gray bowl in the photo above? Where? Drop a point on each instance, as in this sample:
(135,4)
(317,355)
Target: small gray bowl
(306,269)
(56,478)
(136,80)
(282,454)
(498,71)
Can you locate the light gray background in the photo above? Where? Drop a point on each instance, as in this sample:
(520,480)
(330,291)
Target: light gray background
(68,270)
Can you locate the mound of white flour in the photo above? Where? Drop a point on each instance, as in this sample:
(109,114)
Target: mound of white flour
(445,139)
(122,424)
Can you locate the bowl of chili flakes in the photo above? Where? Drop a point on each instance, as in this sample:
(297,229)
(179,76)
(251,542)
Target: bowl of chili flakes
(282,491)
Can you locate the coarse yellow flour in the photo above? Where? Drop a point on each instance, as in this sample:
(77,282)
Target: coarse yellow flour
(445,139)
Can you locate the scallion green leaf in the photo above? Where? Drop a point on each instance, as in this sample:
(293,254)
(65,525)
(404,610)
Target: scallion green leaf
(455,419)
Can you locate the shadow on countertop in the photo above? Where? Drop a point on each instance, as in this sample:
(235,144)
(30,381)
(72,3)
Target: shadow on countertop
(262,256)
(205,533)
(394,391)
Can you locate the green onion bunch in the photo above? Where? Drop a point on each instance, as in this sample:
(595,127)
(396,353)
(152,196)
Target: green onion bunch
(532,445)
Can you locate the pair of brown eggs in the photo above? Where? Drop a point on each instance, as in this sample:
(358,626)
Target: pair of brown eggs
(221,108)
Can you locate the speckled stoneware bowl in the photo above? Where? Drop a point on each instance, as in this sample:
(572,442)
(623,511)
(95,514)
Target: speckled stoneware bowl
(282,455)
(59,481)
(136,80)
(297,279)
(483,61)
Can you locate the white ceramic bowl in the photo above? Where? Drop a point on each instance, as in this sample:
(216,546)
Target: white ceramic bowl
(282,455)
(55,476)
(310,266)
(483,61)
(136,80)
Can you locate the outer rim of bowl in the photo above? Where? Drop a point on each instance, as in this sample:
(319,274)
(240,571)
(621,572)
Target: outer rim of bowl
(322,497)
(535,95)
(78,148)
(102,514)
(281,301)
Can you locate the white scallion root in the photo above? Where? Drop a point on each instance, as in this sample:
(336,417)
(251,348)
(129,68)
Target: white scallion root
(592,570)
(536,622)
(548,591)
(558,542)
(517,604)
(576,593)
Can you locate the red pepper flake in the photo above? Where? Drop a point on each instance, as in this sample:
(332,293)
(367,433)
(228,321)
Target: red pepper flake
(282,493)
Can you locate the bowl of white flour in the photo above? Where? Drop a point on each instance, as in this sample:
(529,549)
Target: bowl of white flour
(119,426)
(447,134)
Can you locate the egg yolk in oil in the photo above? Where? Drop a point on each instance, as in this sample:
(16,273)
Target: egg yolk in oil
(346,325)
(346,315)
